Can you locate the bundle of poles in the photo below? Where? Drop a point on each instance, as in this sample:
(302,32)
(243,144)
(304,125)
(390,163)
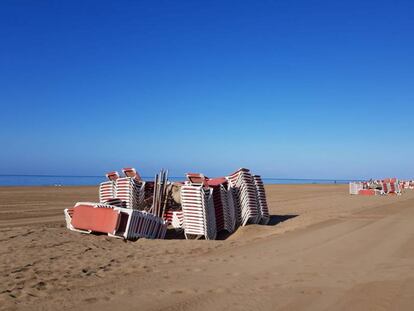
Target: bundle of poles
(160,193)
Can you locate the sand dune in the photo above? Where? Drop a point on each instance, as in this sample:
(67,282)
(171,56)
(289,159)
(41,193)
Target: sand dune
(324,250)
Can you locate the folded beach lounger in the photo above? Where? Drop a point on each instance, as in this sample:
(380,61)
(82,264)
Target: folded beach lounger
(198,212)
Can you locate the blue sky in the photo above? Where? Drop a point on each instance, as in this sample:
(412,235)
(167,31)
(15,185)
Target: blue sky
(299,89)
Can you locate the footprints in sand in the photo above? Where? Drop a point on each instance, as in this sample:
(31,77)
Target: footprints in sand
(54,261)
(40,285)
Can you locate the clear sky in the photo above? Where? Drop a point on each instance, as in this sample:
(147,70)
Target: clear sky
(299,89)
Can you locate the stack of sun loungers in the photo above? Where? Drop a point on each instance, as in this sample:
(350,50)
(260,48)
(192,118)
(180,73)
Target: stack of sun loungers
(391,186)
(223,204)
(198,212)
(388,186)
(107,189)
(128,191)
(131,189)
(404,184)
(219,207)
(407,184)
(246,195)
(229,207)
(199,207)
(261,198)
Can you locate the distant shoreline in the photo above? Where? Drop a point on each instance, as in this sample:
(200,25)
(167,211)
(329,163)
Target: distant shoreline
(83,183)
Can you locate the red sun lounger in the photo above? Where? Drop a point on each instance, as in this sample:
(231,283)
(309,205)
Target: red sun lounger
(131,172)
(367,192)
(105,220)
(112,176)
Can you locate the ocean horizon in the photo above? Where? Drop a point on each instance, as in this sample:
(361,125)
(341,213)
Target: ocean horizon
(67,180)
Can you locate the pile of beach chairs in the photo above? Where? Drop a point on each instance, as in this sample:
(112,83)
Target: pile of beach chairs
(121,212)
(407,184)
(388,186)
(127,191)
(212,205)
(118,222)
(199,207)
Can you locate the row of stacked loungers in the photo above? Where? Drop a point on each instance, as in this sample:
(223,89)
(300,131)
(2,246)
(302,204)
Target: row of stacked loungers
(388,186)
(204,208)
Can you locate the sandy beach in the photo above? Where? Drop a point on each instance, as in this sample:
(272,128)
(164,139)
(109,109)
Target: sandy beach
(323,250)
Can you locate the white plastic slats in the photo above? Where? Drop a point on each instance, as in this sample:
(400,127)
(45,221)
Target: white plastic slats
(198,212)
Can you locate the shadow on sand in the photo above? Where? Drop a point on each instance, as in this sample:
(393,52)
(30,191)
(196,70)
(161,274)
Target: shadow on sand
(277,219)
(173,234)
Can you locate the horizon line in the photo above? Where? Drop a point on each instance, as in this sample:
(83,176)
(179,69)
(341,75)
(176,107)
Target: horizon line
(103,176)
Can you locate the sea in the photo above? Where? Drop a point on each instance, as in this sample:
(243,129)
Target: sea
(56,180)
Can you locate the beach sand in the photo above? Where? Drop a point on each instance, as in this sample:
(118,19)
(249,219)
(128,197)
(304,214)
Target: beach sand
(323,250)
